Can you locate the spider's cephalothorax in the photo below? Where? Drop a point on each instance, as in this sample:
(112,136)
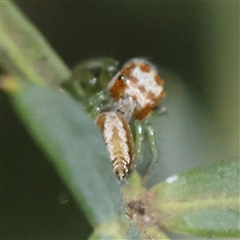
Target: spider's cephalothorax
(138,80)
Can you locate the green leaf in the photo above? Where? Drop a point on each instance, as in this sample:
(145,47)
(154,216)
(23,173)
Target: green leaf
(68,135)
(60,125)
(24,51)
(115,231)
(202,202)
(156,234)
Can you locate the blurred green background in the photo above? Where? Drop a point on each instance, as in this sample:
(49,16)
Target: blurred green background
(196,47)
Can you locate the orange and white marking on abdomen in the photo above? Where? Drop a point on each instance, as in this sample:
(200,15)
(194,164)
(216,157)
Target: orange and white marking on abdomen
(119,142)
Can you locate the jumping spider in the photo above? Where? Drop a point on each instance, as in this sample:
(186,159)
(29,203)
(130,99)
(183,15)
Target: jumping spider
(134,92)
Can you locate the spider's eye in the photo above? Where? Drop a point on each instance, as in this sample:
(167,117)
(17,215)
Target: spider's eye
(120,77)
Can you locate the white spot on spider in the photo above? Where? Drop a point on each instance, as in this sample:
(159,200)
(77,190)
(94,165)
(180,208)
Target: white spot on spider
(172,179)
(147,80)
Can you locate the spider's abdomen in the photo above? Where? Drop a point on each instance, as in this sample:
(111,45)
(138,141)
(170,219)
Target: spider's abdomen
(119,142)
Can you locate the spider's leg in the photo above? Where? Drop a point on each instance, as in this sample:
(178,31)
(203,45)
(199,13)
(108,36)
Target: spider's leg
(152,142)
(98,104)
(88,79)
(160,110)
(139,138)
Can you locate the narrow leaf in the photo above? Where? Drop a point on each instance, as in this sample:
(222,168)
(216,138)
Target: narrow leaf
(202,202)
(70,138)
(24,51)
